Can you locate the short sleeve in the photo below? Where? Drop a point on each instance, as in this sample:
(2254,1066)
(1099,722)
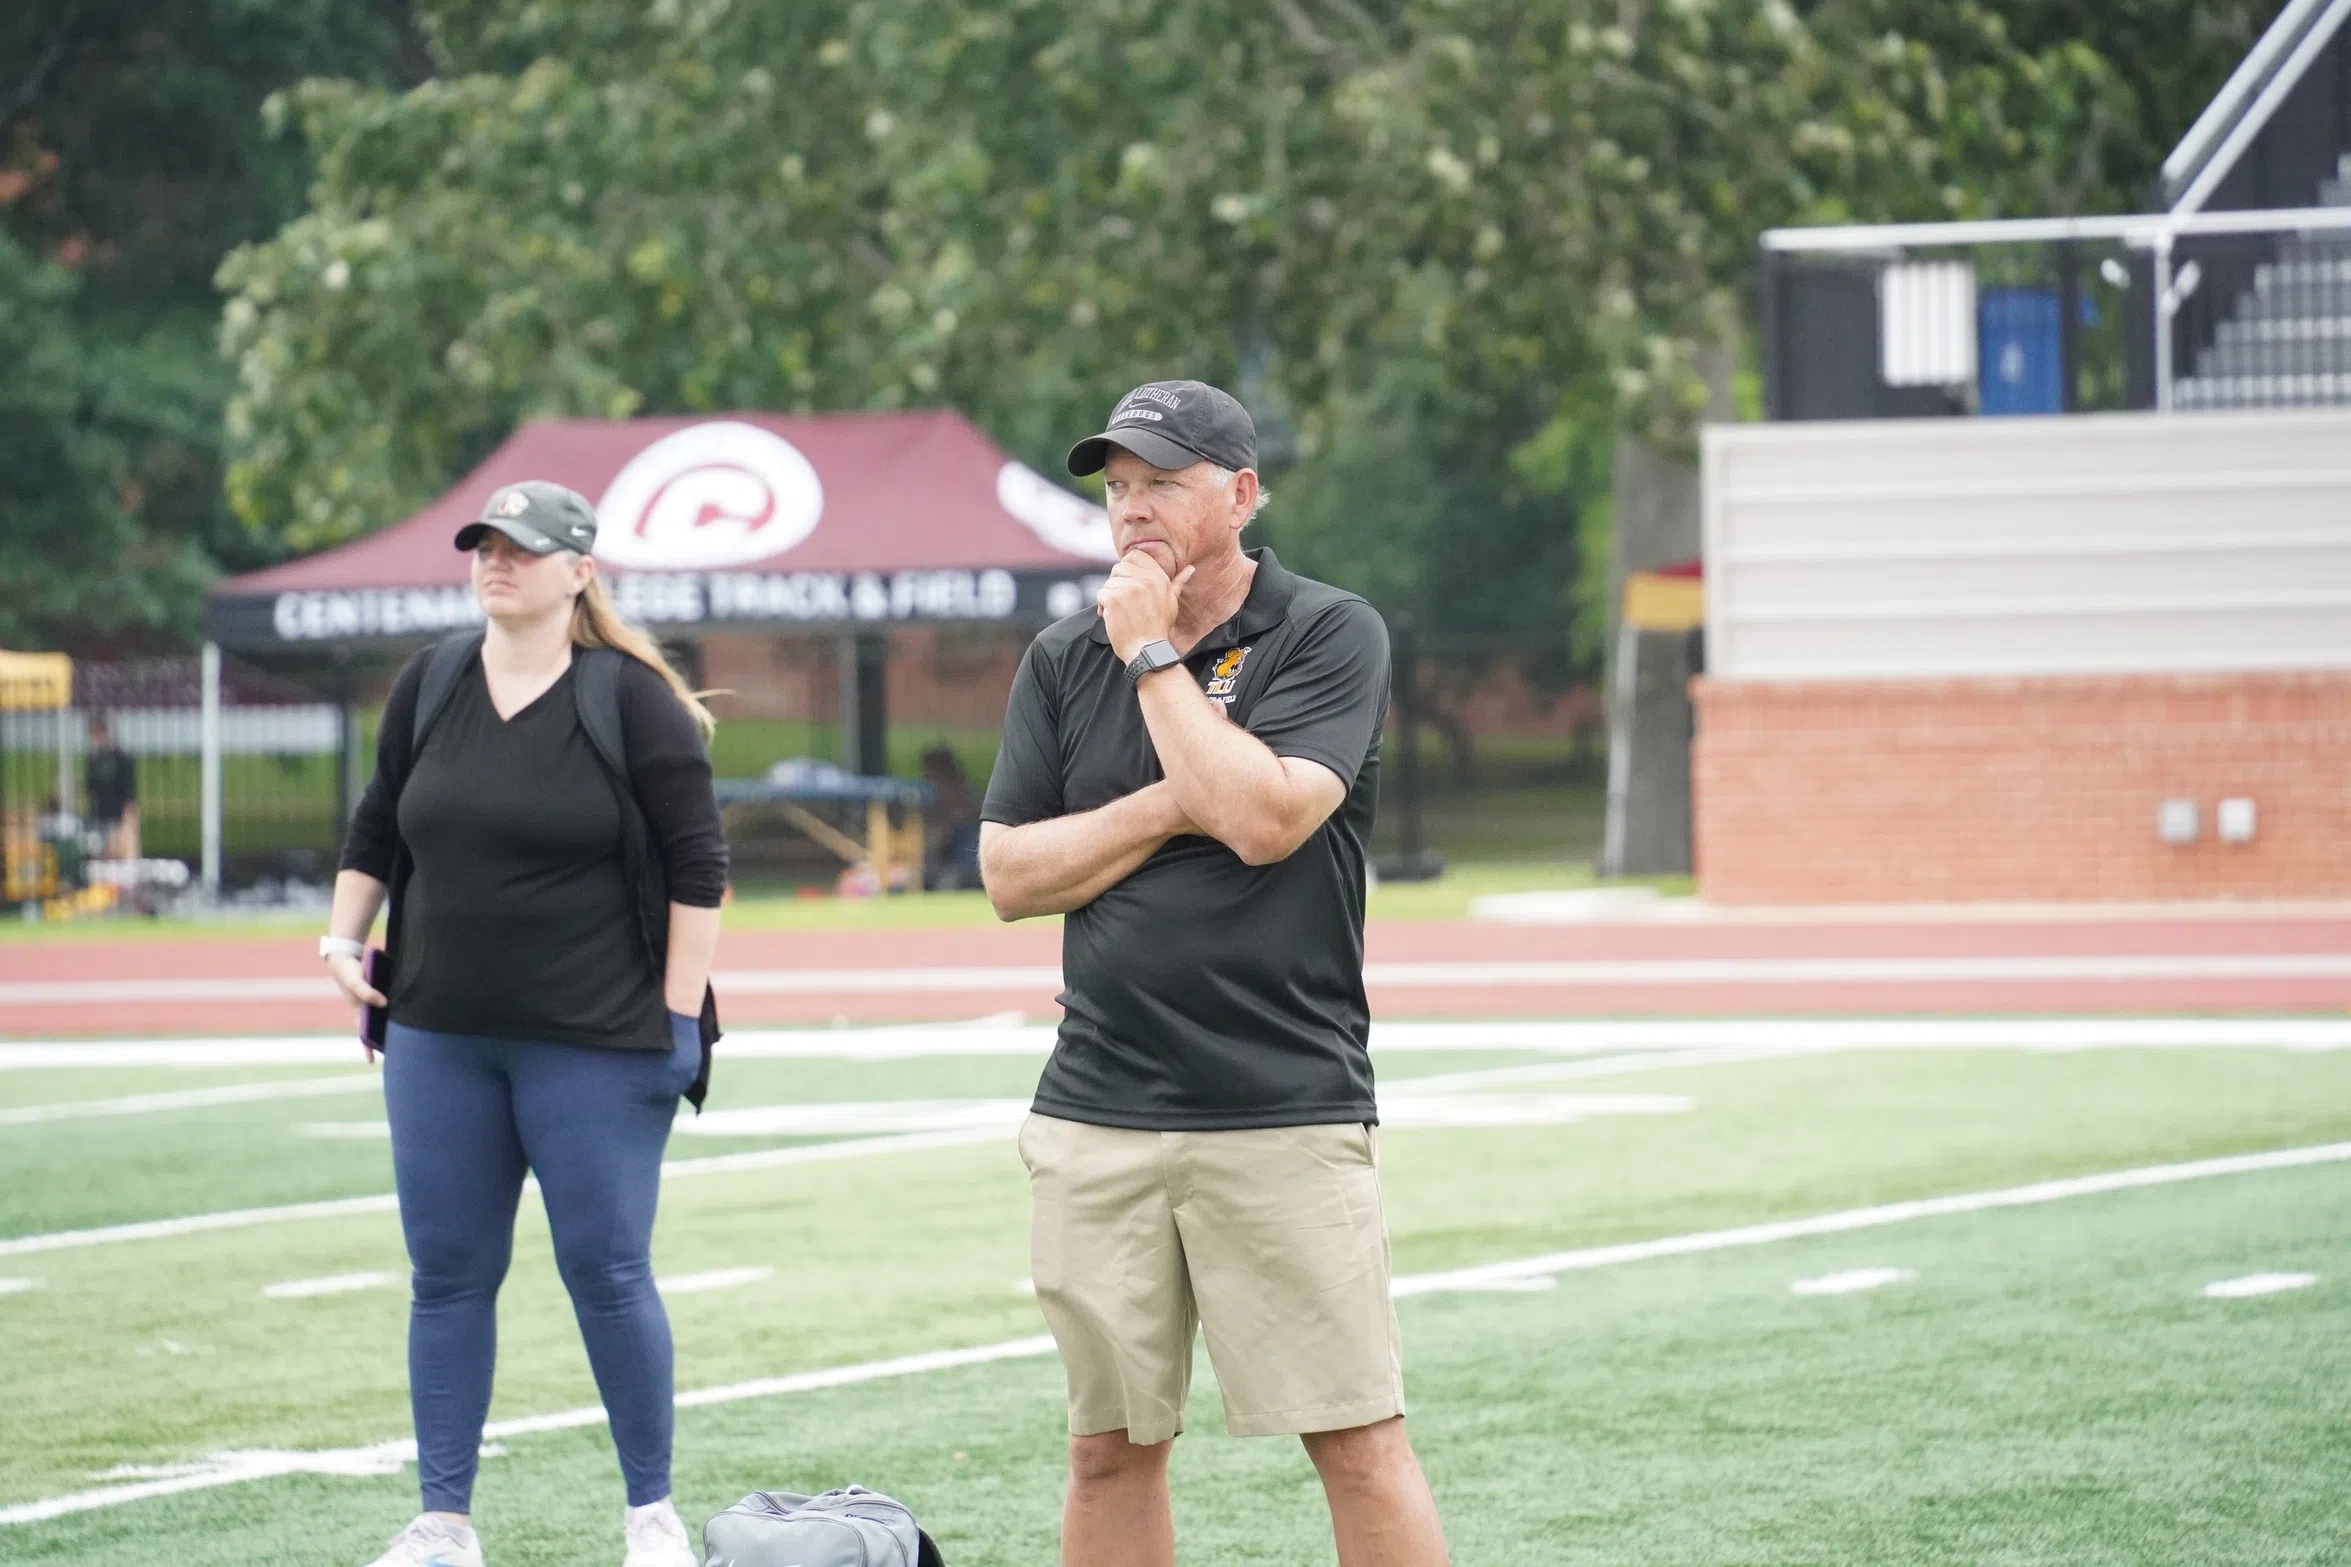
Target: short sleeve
(1328,700)
(1026,785)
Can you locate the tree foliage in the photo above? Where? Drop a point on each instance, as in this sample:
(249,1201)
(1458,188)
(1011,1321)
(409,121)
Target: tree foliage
(131,159)
(1444,249)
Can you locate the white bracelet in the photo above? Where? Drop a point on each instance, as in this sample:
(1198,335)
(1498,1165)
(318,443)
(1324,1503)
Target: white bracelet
(344,946)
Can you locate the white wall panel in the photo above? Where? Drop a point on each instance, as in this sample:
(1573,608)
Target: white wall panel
(2115,543)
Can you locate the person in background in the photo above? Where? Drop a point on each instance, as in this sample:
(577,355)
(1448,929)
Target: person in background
(110,786)
(553,921)
(954,823)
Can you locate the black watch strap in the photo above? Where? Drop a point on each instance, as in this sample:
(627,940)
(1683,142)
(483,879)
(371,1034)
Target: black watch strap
(1154,657)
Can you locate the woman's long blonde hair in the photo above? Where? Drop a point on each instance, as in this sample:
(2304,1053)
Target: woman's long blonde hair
(596,622)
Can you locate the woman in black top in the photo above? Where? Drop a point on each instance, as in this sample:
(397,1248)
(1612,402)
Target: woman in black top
(554,916)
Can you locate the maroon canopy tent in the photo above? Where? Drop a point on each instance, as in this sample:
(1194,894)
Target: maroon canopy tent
(736,522)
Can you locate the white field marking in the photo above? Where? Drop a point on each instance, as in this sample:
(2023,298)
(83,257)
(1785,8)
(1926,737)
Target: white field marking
(1537,1285)
(1704,1044)
(1408,1103)
(196,1223)
(344,1131)
(190,1099)
(950,1039)
(1853,1219)
(105,992)
(2258,1284)
(716,1279)
(1851,1282)
(1609,973)
(1507,1277)
(842,1118)
(1421,1112)
(1616,973)
(332,1284)
(344,1207)
(18,1286)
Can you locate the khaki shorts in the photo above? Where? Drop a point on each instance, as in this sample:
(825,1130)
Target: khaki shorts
(1272,1241)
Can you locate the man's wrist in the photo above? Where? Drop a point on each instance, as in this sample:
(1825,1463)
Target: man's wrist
(340,947)
(1153,657)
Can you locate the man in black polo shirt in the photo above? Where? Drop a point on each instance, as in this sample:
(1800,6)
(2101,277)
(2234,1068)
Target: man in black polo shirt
(1188,774)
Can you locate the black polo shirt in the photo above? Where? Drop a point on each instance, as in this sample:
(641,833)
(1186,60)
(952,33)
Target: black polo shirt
(1205,994)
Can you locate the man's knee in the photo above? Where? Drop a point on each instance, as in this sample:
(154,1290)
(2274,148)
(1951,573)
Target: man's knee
(1361,1457)
(1109,1459)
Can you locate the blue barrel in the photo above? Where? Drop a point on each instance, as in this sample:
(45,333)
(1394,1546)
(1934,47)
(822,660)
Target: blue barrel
(2020,341)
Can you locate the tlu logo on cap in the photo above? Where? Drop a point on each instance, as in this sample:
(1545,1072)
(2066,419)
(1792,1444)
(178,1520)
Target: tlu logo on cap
(515,504)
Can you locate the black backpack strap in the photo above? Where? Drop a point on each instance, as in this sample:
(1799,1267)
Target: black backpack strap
(929,1551)
(597,692)
(443,667)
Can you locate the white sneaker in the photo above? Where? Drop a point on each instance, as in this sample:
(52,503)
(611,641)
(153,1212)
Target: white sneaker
(657,1537)
(433,1541)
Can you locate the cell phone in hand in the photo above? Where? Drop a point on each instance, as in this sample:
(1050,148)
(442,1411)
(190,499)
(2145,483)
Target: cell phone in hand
(376,969)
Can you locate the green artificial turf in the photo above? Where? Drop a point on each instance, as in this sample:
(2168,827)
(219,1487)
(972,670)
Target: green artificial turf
(2049,1389)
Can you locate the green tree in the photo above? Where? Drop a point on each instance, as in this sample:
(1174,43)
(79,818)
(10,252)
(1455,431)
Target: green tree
(1439,246)
(131,158)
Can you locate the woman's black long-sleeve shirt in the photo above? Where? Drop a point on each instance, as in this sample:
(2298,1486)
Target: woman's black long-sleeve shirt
(517,918)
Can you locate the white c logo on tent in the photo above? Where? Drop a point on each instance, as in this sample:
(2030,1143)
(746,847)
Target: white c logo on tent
(717,494)
(1070,523)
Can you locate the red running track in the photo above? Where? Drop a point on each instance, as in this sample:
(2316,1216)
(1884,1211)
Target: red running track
(2158,963)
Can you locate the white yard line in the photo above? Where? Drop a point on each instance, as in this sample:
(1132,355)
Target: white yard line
(1503,1277)
(385,1202)
(1615,973)
(1606,973)
(908,1041)
(1001,1124)
(716,1279)
(1703,1044)
(1851,1219)
(190,1099)
(1851,1282)
(332,1284)
(2256,1284)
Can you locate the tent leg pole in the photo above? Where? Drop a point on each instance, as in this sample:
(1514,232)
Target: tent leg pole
(209,740)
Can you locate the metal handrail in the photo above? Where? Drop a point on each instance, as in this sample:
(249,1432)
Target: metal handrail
(2227,109)
(2139,231)
(2257,118)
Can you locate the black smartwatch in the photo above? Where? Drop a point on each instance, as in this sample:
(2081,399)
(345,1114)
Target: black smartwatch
(1154,657)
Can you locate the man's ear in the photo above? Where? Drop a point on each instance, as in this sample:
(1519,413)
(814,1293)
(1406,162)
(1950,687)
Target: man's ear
(1245,495)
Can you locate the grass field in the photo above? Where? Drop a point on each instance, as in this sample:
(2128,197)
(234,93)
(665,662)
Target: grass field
(2045,1383)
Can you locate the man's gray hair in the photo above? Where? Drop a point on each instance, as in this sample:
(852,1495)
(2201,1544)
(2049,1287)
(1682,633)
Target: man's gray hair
(1224,481)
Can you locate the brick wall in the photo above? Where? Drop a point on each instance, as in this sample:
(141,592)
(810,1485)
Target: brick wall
(937,675)
(2031,790)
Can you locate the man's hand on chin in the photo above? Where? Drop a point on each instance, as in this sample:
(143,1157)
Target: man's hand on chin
(1139,602)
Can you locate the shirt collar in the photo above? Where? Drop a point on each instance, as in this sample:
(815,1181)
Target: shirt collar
(1270,592)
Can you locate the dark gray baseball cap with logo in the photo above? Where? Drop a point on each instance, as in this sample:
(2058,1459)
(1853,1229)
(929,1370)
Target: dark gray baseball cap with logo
(539,515)
(1173,424)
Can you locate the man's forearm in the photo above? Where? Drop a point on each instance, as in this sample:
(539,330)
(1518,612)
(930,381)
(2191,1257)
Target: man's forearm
(1066,862)
(1224,778)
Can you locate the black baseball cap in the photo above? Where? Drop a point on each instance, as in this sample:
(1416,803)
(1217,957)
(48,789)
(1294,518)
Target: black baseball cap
(1173,424)
(540,516)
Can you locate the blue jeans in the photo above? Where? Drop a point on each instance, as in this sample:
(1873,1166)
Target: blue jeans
(469,1116)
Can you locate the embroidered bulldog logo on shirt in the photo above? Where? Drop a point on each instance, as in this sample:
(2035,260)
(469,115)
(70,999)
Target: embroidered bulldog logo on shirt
(1226,675)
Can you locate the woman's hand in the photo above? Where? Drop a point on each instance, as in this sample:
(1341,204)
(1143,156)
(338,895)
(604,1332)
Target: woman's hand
(352,981)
